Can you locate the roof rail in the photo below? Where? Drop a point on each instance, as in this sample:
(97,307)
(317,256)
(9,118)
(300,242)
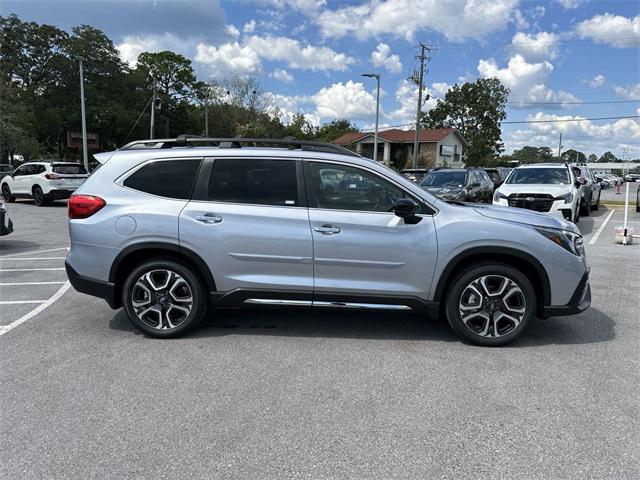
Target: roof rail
(194,140)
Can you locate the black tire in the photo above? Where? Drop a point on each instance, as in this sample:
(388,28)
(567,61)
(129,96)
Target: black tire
(585,207)
(161,326)
(576,215)
(505,330)
(596,207)
(6,194)
(39,197)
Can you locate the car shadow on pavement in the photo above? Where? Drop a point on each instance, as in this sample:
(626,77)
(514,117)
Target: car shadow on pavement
(8,246)
(591,327)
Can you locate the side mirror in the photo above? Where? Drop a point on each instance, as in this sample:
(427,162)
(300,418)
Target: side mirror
(405,208)
(582,181)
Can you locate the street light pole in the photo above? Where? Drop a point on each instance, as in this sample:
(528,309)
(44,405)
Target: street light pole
(375,135)
(152,128)
(85,153)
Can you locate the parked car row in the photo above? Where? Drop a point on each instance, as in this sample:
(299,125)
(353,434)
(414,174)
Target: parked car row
(43,181)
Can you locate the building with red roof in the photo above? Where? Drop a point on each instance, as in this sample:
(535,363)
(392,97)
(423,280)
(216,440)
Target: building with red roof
(437,147)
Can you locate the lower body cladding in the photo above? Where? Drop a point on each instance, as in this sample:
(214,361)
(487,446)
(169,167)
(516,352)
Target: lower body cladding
(580,299)
(60,194)
(6,225)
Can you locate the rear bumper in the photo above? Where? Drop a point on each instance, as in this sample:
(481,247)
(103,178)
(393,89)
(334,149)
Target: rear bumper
(95,288)
(580,301)
(59,194)
(6,225)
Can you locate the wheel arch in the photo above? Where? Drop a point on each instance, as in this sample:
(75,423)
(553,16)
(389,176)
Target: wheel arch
(137,253)
(523,261)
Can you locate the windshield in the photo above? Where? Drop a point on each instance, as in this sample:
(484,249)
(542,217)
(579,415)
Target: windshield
(545,176)
(445,179)
(69,168)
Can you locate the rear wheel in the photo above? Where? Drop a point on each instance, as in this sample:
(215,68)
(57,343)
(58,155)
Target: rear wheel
(38,196)
(585,206)
(6,193)
(164,299)
(490,304)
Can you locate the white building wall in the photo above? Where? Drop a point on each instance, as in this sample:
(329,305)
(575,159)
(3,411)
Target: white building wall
(451,140)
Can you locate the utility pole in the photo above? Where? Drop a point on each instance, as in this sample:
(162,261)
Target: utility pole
(153,113)
(85,152)
(560,146)
(416,141)
(206,119)
(375,135)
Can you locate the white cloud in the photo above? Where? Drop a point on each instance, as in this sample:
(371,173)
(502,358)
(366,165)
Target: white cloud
(407,98)
(308,7)
(133,45)
(632,92)
(440,88)
(597,81)
(585,135)
(281,75)
(345,100)
(538,46)
(526,80)
(249,27)
(613,30)
(570,4)
(228,58)
(455,19)
(232,31)
(288,106)
(381,57)
(519,20)
(296,55)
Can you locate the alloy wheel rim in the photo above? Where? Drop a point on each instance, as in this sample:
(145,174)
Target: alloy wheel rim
(162,299)
(492,306)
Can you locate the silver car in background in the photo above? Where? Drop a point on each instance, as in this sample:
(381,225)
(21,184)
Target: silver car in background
(169,229)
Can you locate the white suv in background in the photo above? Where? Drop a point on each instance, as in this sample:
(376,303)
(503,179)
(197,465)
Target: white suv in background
(43,181)
(543,187)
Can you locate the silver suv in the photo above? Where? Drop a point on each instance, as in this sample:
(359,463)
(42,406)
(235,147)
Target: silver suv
(169,229)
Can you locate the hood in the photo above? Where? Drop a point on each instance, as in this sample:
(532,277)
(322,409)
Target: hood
(440,190)
(555,190)
(528,217)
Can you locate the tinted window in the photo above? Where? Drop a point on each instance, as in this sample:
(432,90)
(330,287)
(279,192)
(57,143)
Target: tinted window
(40,169)
(69,169)
(339,187)
(553,176)
(260,182)
(443,178)
(172,179)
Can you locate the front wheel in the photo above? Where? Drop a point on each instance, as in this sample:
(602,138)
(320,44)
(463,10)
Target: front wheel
(490,304)
(164,299)
(6,193)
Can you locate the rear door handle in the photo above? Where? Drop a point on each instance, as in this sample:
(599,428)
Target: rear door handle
(327,229)
(209,218)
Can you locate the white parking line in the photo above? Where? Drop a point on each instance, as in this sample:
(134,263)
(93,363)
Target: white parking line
(16,284)
(18,302)
(28,269)
(6,328)
(34,251)
(23,259)
(595,237)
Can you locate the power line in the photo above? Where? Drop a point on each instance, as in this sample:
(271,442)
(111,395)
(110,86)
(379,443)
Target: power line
(573,119)
(600,102)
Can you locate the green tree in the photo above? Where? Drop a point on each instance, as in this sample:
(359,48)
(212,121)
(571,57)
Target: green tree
(608,157)
(476,110)
(528,154)
(334,129)
(573,156)
(592,158)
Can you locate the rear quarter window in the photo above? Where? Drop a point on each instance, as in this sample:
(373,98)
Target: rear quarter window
(165,178)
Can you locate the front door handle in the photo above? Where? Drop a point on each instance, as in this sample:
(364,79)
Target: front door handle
(209,218)
(327,229)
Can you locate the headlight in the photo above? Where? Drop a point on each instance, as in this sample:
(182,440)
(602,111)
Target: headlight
(499,196)
(571,242)
(567,197)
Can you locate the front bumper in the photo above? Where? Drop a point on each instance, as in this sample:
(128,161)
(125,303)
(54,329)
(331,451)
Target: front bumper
(580,301)
(95,288)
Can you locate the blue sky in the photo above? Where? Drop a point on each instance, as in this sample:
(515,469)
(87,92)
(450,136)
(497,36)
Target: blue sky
(557,55)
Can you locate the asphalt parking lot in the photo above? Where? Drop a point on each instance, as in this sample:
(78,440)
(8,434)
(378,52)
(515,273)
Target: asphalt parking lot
(302,394)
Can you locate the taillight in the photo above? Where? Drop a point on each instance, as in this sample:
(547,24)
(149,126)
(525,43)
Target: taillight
(83,206)
(52,176)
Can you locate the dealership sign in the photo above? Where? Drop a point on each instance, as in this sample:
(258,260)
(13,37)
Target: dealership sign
(74,140)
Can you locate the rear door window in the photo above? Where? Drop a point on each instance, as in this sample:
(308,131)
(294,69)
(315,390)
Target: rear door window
(68,169)
(254,181)
(165,178)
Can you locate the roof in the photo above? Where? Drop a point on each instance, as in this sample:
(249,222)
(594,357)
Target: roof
(396,135)
(543,165)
